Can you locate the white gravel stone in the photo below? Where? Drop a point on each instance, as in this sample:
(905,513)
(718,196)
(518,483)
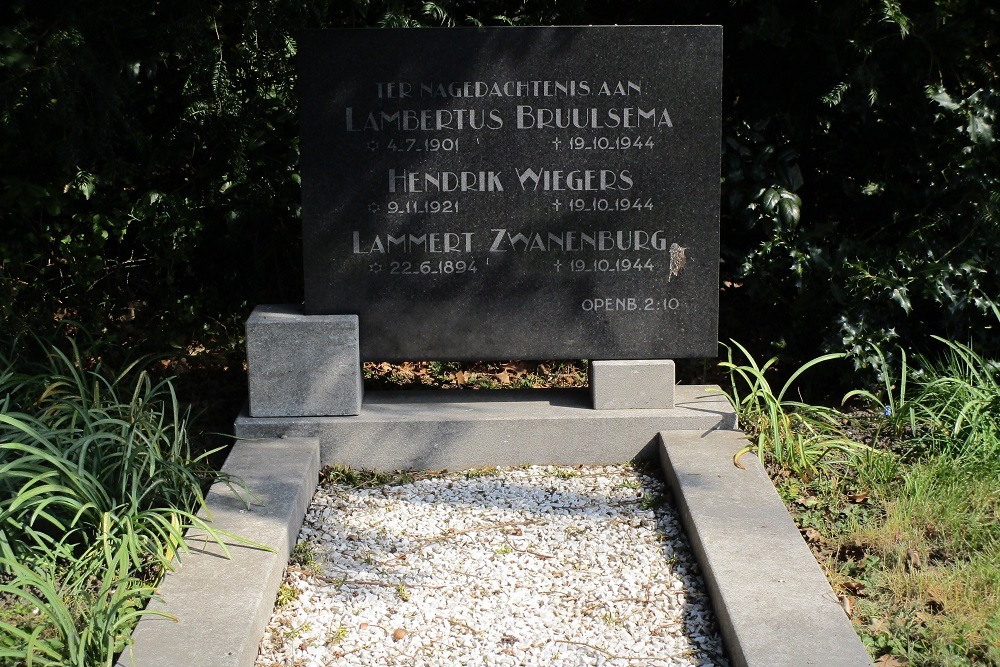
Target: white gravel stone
(529,566)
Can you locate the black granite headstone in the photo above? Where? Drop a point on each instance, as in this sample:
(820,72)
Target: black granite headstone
(520,193)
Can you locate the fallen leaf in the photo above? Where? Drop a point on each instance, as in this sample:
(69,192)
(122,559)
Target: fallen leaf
(847,603)
(461,377)
(504,377)
(858,498)
(736,458)
(854,587)
(812,535)
(879,626)
(891,661)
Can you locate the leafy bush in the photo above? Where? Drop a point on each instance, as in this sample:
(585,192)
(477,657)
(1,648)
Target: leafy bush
(879,117)
(150,185)
(861,180)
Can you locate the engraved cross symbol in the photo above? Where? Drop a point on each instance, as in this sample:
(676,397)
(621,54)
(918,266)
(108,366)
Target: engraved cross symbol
(557,142)
(556,204)
(558,265)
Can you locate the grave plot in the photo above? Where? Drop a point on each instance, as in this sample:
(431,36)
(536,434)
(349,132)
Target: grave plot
(536,565)
(514,193)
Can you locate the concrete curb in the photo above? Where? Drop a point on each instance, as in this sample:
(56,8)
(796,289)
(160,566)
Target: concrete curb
(774,606)
(222,605)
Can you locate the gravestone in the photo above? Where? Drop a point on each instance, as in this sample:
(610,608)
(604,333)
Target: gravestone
(505,193)
(514,193)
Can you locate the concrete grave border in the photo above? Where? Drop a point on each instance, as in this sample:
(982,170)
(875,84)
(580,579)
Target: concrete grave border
(772,601)
(221,605)
(773,604)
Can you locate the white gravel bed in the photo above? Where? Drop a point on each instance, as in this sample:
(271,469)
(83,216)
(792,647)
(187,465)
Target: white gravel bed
(526,566)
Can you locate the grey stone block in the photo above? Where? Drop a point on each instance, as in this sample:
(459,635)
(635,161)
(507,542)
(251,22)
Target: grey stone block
(222,605)
(302,365)
(626,384)
(401,430)
(774,606)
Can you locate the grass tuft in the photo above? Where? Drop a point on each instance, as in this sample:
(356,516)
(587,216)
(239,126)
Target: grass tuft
(97,488)
(806,439)
(364,479)
(908,529)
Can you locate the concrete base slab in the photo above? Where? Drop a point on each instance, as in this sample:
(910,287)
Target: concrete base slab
(222,605)
(774,606)
(430,430)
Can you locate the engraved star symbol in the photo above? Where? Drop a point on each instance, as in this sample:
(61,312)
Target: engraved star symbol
(372,145)
(375,267)
(373,207)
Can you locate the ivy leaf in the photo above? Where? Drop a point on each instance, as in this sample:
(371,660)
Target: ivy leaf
(941,96)
(794,176)
(979,129)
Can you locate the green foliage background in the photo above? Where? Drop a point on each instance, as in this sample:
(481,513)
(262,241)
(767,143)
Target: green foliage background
(149,184)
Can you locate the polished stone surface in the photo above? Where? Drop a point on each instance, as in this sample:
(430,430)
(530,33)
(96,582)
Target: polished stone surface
(514,192)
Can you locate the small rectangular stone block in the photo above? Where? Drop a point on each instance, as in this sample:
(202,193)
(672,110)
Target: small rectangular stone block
(302,365)
(630,385)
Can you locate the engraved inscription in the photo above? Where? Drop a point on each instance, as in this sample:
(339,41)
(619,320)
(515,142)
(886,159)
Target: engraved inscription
(556,188)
